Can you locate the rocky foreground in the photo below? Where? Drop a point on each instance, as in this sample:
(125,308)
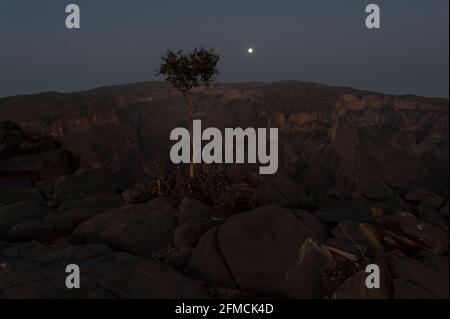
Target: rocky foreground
(129,244)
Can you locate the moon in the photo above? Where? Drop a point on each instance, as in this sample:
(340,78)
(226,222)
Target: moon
(250,50)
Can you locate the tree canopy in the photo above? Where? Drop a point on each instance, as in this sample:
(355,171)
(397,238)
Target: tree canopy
(185,71)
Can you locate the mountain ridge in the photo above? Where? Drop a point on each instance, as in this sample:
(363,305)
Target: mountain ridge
(143,83)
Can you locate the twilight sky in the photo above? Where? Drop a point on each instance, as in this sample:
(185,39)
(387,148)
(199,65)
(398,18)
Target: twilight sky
(322,41)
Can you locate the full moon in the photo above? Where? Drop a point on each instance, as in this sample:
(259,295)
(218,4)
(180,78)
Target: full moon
(250,50)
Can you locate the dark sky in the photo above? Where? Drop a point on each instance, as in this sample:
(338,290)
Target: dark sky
(322,41)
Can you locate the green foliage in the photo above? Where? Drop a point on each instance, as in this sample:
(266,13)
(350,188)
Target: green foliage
(185,71)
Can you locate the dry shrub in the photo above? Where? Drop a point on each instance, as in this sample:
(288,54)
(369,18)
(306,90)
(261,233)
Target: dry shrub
(210,186)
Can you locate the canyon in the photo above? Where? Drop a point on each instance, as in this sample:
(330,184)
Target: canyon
(332,141)
(362,180)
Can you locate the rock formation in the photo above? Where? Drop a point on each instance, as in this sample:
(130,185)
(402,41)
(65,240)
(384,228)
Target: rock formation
(364,180)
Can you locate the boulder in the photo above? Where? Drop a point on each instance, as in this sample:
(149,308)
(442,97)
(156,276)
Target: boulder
(46,187)
(414,272)
(378,192)
(15,182)
(320,230)
(432,201)
(13,195)
(414,234)
(354,209)
(254,251)
(32,270)
(431,216)
(208,263)
(149,280)
(24,211)
(188,234)
(438,263)
(40,230)
(141,229)
(305,276)
(136,196)
(405,290)
(346,249)
(394,205)
(73,213)
(192,209)
(178,259)
(283,192)
(443,213)
(360,234)
(416,195)
(41,165)
(68,188)
(355,286)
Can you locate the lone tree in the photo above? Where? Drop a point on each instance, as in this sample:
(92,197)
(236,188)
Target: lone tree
(186,71)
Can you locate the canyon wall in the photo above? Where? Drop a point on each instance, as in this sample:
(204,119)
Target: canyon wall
(333,141)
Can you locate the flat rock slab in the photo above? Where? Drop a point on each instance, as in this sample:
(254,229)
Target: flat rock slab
(414,233)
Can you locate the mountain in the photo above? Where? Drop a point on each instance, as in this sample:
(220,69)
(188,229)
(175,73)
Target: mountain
(333,141)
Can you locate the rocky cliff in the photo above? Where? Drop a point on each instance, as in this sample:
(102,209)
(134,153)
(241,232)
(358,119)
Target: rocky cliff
(333,141)
(227,234)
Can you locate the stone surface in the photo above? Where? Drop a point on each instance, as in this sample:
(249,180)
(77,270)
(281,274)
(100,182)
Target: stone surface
(355,286)
(41,230)
(141,229)
(416,194)
(433,217)
(355,209)
(192,209)
(346,249)
(24,211)
(253,251)
(34,271)
(40,166)
(73,213)
(188,234)
(136,196)
(405,290)
(283,192)
(13,195)
(432,201)
(420,275)
(413,233)
(359,234)
(69,188)
(378,191)
(30,155)
(305,277)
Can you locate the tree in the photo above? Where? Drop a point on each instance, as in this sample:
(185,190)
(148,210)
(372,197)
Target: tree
(186,71)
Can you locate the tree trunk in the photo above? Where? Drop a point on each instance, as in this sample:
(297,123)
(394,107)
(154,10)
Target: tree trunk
(191,119)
